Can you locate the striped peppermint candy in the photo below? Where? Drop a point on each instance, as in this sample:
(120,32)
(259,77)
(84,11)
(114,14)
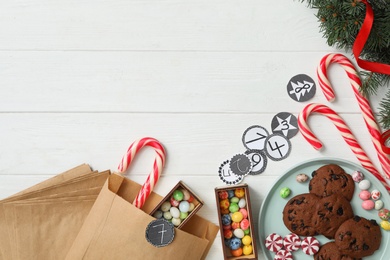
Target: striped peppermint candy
(283,255)
(310,245)
(292,242)
(274,242)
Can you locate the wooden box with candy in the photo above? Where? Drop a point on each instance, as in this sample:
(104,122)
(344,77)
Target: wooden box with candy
(178,206)
(236,222)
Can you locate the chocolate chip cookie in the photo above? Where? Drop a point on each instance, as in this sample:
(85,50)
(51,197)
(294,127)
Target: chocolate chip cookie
(331,179)
(298,214)
(329,251)
(358,237)
(330,213)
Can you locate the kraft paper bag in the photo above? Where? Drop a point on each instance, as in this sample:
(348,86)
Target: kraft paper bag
(115,229)
(42,221)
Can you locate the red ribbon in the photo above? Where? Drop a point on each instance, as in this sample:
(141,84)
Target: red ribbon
(361,40)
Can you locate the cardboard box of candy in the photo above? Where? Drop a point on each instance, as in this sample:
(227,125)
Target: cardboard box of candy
(236,223)
(178,206)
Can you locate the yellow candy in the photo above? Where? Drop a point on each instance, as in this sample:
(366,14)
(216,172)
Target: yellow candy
(237,216)
(247,250)
(385,225)
(246,240)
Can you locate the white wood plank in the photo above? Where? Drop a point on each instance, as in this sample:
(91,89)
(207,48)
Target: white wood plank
(196,144)
(162,82)
(211,25)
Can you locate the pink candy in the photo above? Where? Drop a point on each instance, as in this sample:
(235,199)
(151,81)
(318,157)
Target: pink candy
(368,204)
(357,176)
(365,195)
(244,224)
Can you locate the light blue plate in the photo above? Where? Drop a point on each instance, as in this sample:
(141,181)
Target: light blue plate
(270,217)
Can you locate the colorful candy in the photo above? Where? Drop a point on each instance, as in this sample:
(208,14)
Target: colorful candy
(285,192)
(237,252)
(274,242)
(244,224)
(292,242)
(237,216)
(246,240)
(378,205)
(178,195)
(385,224)
(283,255)
(242,203)
(375,194)
(239,193)
(364,185)
(310,245)
(357,176)
(368,204)
(247,249)
(235,243)
(302,177)
(384,214)
(233,207)
(238,233)
(365,195)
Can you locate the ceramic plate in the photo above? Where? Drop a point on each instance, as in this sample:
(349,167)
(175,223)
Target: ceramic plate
(270,216)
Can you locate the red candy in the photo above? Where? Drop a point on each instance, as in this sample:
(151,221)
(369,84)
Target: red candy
(244,224)
(292,242)
(310,245)
(283,255)
(227,233)
(274,242)
(223,195)
(174,202)
(244,212)
(235,225)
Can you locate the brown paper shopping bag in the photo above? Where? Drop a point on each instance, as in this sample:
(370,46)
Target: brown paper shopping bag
(115,228)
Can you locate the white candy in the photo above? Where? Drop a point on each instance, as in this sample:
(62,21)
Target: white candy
(379,204)
(364,185)
(165,206)
(375,194)
(175,212)
(184,206)
(242,203)
(167,215)
(238,232)
(176,221)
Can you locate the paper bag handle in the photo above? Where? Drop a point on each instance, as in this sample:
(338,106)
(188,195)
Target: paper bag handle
(154,175)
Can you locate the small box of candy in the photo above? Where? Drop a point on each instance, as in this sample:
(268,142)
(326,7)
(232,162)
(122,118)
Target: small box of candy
(235,221)
(178,206)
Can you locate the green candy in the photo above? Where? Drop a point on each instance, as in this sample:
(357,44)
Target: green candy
(233,207)
(285,192)
(234,200)
(178,195)
(247,231)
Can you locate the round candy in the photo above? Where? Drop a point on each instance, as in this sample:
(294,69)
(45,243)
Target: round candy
(244,213)
(175,212)
(244,224)
(165,206)
(237,252)
(274,242)
(239,192)
(246,240)
(283,255)
(378,204)
(364,184)
(222,195)
(178,195)
(242,203)
(302,177)
(174,203)
(247,249)
(230,194)
(224,204)
(183,215)
(247,231)
(226,219)
(191,199)
(375,194)
(237,216)
(158,214)
(385,225)
(357,176)
(368,204)
(187,195)
(233,207)
(234,200)
(365,195)
(176,221)
(292,242)
(167,215)
(384,214)
(192,206)
(224,227)
(235,243)
(227,233)
(285,192)
(235,225)
(310,245)
(184,206)
(238,233)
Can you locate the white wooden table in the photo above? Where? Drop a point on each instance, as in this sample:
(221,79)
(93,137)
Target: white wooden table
(81,80)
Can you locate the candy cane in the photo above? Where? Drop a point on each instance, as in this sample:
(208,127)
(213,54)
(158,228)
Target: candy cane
(364,104)
(345,132)
(158,165)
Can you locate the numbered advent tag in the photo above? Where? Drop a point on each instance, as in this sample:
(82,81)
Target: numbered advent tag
(227,176)
(240,164)
(160,232)
(277,147)
(285,123)
(254,137)
(259,161)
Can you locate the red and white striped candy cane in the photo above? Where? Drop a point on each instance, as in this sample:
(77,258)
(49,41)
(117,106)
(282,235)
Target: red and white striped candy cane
(364,104)
(158,165)
(345,132)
